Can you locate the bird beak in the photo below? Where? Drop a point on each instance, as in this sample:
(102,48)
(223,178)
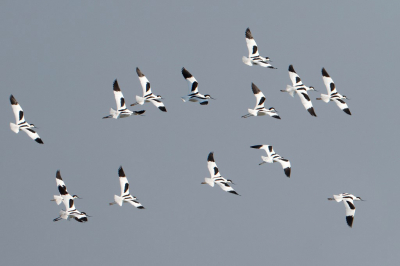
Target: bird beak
(212,98)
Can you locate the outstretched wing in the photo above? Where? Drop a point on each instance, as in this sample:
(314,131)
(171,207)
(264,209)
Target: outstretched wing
(18,112)
(32,134)
(212,166)
(226,187)
(296,81)
(193,84)
(251,44)
(136,204)
(123,182)
(306,101)
(144,82)
(260,98)
(350,210)
(285,165)
(119,97)
(159,104)
(329,84)
(342,105)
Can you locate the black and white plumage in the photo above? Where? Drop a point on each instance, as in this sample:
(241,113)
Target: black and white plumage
(254,57)
(62,188)
(21,124)
(125,195)
(148,96)
(121,111)
(272,157)
(333,95)
(260,110)
(216,177)
(194,95)
(348,200)
(300,89)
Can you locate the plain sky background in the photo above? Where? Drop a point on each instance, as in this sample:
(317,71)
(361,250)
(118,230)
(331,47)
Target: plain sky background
(60,58)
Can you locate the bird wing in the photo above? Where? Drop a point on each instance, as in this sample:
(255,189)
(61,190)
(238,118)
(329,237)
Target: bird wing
(350,210)
(18,112)
(212,166)
(136,204)
(251,44)
(123,182)
(193,84)
(119,97)
(296,81)
(306,101)
(342,105)
(329,84)
(260,98)
(226,187)
(285,165)
(32,134)
(144,82)
(159,104)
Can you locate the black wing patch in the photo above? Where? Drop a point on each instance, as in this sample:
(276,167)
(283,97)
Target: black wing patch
(332,86)
(351,205)
(122,102)
(147,86)
(298,79)
(262,100)
(63,190)
(255,49)
(21,115)
(306,96)
(126,187)
(216,170)
(194,85)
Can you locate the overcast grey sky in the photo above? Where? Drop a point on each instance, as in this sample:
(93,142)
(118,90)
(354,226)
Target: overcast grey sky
(60,58)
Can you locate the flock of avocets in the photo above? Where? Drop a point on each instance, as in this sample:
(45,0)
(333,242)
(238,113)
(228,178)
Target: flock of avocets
(254,58)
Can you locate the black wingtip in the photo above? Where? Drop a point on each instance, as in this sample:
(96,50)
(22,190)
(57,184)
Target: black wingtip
(347,111)
(58,175)
(204,103)
(311,111)
(139,73)
(233,192)
(141,207)
(287,171)
(139,112)
(121,172)
(186,74)
(324,73)
(248,34)
(256,146)
(39,140)
(291,69)
(255,88)
(116,86)
(12,100)
(162,108)
(349,220)
(276,116)
(210,157)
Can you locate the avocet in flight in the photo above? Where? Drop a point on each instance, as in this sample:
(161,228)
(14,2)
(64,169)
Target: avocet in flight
(194,95)
(254,57)
(64,195)
(71,212)
(21,124)
(348,204)
(301,90)
(260,110)
(121,111)
(333,95)
(272,157)
(125,195)
(148,96)
(216,176)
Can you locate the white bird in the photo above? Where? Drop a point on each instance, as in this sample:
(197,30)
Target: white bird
(216,176)
(254,57)
(348,204)
(194,95)
(148,96)
(125,195)
(64,195)
(121,111)
(333,95)
(21,124)
(260,110)
(300,89)
(71,212)
(272,157)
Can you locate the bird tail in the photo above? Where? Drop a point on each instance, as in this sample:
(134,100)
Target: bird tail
(326,98)
(267,159)
(118,200)
(57,199)
(247,61)
(114,113)
(208,181)
(14,127)
(252,112)
(139,100)
(337,198)
(290,90)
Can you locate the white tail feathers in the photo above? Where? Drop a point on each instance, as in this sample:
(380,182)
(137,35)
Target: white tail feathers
(337,198)
(247,61)
(139,100)
(267,159)
(14,127)
(114,113)
(118,200)
(58,199)
(291,90)
(208,181)
(252,112)
(326,98)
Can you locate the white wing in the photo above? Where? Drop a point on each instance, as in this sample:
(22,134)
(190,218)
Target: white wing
(296,81)
(226,187)
(18,112)
(212,166)
(32,134)
(144,82)
(342,105)
(251,44)
(119,97)
(350,210)
(260,98)
(136,204)
(193,84)
(159,104)
(329,84)
(285,165)
(306,101)
(123,182)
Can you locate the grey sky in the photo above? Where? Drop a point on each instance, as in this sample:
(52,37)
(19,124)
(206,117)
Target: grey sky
(59,60)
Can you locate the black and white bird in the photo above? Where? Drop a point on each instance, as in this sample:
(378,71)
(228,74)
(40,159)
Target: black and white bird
(216,177)
(254,57)
(62,188)
(125,195)
(194,95)
(21,124)
(333,95)
(272,157)
(348,200)
(121,111)
(260,110)
(301,90)
(148,96)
